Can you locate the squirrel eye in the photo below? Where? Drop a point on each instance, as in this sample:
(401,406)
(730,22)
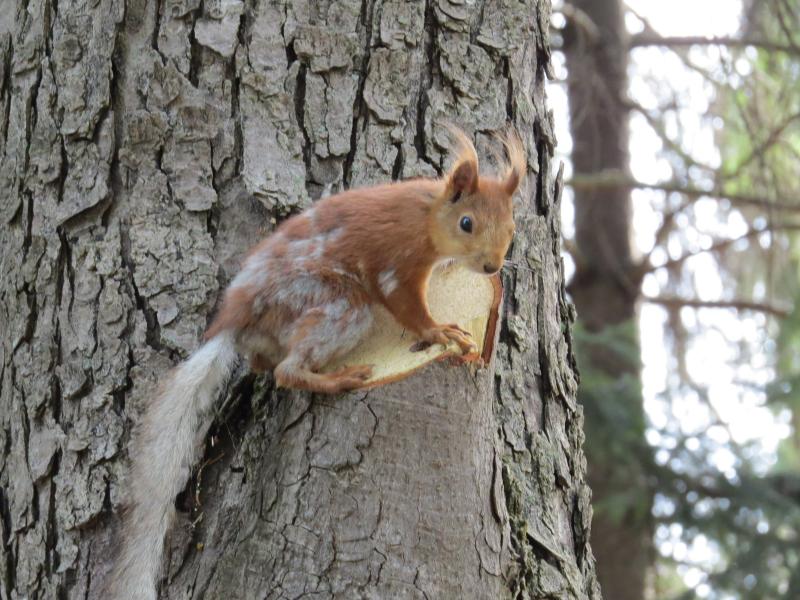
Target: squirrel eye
(466,224)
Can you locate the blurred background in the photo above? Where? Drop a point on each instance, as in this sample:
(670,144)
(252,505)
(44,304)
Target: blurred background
(679,128)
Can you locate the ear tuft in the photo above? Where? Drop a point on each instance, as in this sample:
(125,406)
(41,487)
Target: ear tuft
(512,180)
(463,176)
(517,162)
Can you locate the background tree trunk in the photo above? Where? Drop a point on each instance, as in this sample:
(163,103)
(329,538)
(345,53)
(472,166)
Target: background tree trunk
(605,287)
(144,146)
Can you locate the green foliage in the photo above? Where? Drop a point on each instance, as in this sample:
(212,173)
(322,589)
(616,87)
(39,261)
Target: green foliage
(755,518)
(748,514)
(708,488)
(611,394)
(760,146)
(784,392)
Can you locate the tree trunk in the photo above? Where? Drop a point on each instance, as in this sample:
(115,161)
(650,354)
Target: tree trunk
(605,287)
(144,147)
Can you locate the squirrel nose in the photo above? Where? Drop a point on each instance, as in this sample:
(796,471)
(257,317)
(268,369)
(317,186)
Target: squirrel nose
(490,268)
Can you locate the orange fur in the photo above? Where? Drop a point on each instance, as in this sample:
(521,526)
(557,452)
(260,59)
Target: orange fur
(305,293)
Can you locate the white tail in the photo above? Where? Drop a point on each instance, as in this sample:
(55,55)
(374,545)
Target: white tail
(165,449)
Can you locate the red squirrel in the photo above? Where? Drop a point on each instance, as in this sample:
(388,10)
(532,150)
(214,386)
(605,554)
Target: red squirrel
(305,296)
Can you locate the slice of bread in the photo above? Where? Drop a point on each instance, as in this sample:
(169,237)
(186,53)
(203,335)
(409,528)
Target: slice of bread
(455,295)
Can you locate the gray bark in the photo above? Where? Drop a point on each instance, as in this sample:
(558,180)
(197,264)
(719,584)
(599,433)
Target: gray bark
(143,147)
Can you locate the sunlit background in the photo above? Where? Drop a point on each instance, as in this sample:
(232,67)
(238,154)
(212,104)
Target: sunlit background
(706,392)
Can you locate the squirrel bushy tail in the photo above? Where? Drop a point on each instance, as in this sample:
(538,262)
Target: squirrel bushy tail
(166,447)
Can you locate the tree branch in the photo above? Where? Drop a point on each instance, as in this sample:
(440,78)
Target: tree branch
(771,139)
(721,245)
(649,39)
(581,20)
(678,302)
(615,179)
(657,125)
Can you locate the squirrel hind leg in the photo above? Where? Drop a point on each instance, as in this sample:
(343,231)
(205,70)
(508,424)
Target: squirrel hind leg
(320,335)
(261,348)
(290,375)
(260,363)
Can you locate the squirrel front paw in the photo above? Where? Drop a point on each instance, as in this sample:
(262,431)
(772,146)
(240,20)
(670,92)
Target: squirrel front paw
(444,334)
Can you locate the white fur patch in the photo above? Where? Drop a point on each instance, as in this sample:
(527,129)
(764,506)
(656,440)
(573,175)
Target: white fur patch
(331,235)
(340,328)
(310,249)
(387,281)
(254,272)
(300,291)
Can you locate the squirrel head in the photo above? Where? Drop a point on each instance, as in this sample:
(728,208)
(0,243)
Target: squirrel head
(473,221)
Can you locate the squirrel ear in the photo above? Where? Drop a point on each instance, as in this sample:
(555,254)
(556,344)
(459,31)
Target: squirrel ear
(464,177)
(512,180)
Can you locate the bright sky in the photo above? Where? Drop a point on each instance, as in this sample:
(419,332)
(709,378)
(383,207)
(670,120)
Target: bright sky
(711,357)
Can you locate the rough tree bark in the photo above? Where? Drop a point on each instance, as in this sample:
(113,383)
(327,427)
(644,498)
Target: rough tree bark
(606,287)
(144,146)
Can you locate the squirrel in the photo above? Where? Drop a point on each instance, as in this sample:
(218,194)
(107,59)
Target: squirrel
(304,296)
